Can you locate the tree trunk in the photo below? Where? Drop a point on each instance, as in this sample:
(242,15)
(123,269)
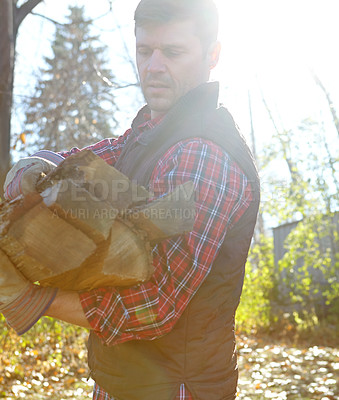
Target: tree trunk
(7,49)
(10,20)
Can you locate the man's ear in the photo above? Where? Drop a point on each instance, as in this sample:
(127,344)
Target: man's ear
(213,54)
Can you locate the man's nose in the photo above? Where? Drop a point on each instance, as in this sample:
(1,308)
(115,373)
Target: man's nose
(156,62)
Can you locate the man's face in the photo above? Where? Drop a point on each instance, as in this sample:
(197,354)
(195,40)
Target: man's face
(171,61)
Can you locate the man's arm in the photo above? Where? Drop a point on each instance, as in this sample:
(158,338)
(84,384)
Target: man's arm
(66,306)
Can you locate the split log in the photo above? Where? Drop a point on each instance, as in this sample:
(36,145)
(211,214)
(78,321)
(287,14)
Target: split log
(167,216)
(102,181)
(77,206)
(84,230)
(123,260)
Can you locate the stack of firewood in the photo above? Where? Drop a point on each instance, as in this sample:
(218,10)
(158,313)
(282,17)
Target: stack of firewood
(90,226)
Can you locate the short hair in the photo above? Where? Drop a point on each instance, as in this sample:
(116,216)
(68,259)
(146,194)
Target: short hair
(203,12)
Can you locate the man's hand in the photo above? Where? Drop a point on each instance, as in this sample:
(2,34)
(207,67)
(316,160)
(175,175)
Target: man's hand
(21,302)
(24,175)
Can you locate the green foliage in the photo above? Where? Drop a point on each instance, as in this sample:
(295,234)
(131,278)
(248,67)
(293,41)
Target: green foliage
(46,330)
(301,174)
(300,295)
(310,270)
(301,184)
(302,291)
(254,311)
(49,361)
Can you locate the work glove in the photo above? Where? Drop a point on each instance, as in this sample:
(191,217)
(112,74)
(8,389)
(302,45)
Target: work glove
(24,175)
(21,302)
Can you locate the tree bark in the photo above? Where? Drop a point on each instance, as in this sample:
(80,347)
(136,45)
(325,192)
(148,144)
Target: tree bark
(10,20)
(7,48)
(22,12)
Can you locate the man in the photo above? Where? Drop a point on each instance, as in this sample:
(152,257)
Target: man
(173,336)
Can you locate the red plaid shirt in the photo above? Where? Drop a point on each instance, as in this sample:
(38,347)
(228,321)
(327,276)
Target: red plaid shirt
(150,310)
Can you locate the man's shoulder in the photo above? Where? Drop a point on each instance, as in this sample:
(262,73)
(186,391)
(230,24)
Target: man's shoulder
(202,144)
(197,148)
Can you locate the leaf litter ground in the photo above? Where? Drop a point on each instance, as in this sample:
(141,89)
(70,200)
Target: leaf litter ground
(55,368)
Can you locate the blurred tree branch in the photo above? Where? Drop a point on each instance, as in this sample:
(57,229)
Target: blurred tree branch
(329,101)
(21,13)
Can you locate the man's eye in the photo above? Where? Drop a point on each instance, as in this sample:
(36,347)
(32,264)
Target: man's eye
(144,51)
(172,53)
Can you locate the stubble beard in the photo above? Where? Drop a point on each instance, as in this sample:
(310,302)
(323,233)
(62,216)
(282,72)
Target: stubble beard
(159,93)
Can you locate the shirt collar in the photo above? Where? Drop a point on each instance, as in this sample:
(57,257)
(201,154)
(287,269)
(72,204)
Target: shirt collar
(149,123)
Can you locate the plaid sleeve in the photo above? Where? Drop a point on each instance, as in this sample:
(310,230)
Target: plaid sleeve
(151,309)
(49,156)
(108,149)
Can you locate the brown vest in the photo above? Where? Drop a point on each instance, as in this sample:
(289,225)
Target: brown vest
(200,350)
